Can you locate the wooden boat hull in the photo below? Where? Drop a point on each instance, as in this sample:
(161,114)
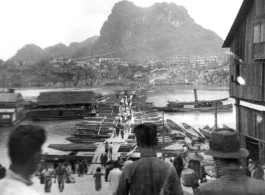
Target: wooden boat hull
(173,126)
(191,132)
(206,133)
(221,108)
(70,158)
(84,140)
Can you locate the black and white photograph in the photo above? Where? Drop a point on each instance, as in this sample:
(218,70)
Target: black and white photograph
(132,97)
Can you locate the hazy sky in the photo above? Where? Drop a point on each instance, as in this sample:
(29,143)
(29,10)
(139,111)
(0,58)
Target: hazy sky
(49,22)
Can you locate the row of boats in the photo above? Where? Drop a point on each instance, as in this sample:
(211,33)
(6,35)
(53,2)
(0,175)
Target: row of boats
(93,131)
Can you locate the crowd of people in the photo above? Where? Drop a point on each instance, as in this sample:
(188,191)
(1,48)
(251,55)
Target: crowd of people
(148,175)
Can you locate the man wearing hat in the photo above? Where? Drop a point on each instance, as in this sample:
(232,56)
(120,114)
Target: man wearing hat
(114,176)
(231,179)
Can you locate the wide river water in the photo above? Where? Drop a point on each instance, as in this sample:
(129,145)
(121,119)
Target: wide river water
(57,131)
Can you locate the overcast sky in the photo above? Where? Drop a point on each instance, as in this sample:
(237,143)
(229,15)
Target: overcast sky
(49,22)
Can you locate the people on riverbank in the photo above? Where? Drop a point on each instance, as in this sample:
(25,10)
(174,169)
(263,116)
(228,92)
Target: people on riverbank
(109,167)
(60,175)
(103,160)
(178,164)
(98,180)
(47,174)
(231,178)
(114,176)
(258,173)
(24,149)
(250,168)
(135,178)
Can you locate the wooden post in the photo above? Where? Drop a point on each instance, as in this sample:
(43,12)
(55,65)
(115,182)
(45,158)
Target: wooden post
(163,130)
(215,114)
(195,95)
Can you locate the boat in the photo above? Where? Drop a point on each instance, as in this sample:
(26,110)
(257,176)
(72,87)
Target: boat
(177,135)
(196,104)
(173,126)
(85,147)
(191,132)
(206,131)
(220,108)
(62,156)
(84,140)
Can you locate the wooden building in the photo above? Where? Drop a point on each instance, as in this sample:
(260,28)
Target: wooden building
(246,40)
(11,109)
(58,105)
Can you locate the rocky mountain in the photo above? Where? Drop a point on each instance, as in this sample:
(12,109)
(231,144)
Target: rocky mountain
(31,53)
(58,51)
(161,31)
(83,48)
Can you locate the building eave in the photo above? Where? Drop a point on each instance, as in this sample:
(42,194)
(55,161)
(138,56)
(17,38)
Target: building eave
(243,11)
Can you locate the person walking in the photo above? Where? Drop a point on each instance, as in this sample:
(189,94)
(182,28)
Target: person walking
(47,174)
(122,133)
(114,176)
(106,147)
(81,169)
(231,179)
(109,167)
(103,160)
(258,173)
(117,128)
(149,175)
(98,182)
(178,164)
(60,175)
(24,149)
(110,151)
(250,168)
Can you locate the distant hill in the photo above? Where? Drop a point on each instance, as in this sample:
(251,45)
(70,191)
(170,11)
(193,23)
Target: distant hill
(31,53)
(83,48)
(58,51)
(161,31)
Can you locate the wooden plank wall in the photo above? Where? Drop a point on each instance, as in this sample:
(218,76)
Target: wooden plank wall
(249,37)
(248,122)
(254,87)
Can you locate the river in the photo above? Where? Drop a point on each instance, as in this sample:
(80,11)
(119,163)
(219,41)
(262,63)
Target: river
(57,131)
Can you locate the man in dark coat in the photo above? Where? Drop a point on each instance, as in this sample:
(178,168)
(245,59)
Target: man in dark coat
(109,167)
(178,164)
(231,179)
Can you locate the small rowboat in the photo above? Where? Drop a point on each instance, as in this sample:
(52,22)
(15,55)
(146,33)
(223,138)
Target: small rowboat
(206,131)
(191,132)
(173,126)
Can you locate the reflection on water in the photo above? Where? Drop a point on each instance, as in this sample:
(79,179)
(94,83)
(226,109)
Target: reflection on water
(57,131)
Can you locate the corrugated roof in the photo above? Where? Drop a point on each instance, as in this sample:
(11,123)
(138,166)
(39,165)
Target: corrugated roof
(243,11)
(10,97)
(66,97)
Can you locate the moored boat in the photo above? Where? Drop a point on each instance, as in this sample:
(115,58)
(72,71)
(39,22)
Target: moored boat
(191,132)
(206,131)
(173,126)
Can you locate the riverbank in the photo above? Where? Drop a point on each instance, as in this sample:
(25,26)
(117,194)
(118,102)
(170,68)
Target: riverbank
(83,186)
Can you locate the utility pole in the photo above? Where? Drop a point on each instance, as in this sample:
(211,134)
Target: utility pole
(163,130)
(215,114)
